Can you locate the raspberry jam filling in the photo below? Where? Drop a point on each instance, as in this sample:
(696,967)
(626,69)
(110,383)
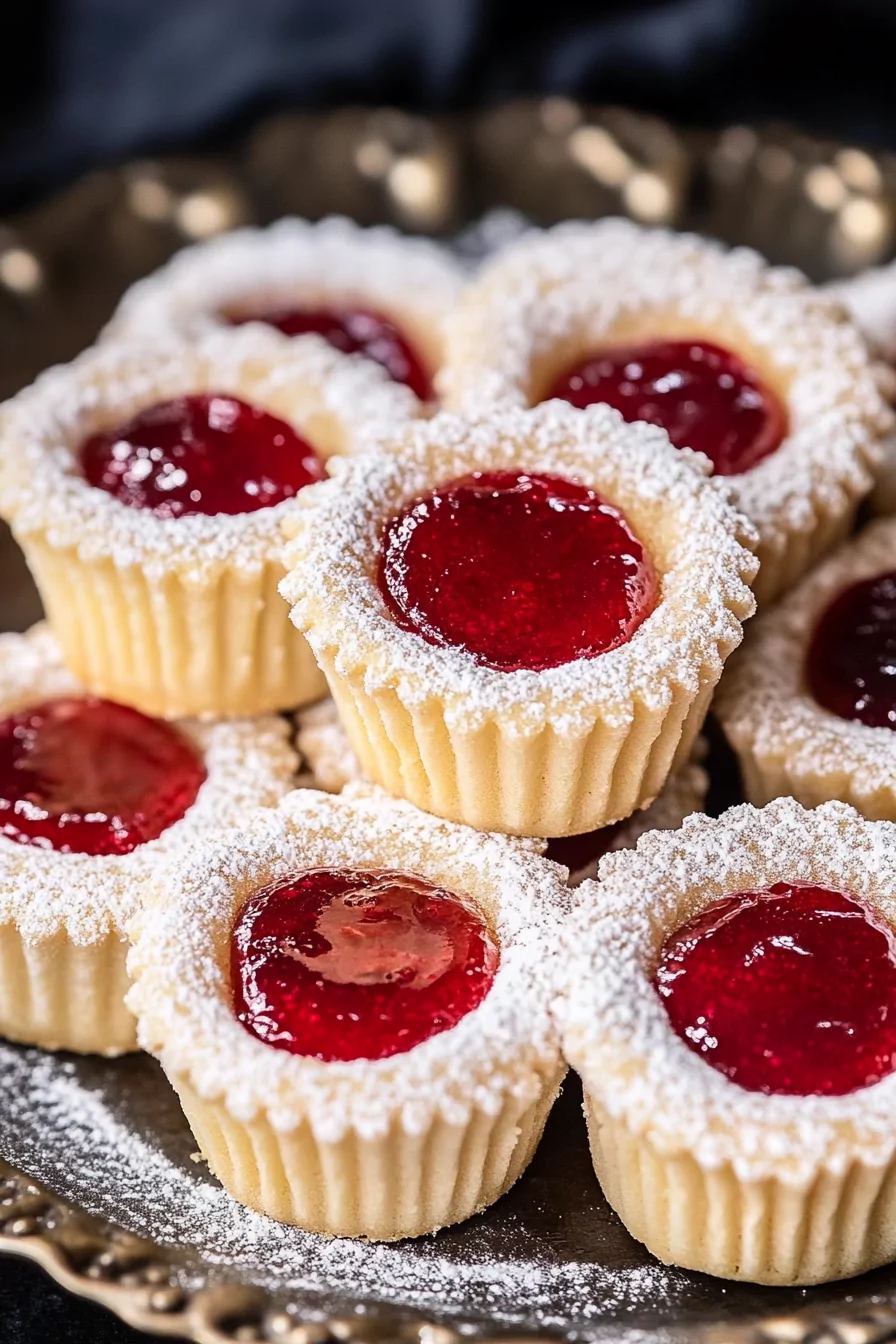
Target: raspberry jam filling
(704,397)
(344,964)
(851,661)
(522,570)
(200,454)
(85,776)
(354,331)
(791,990)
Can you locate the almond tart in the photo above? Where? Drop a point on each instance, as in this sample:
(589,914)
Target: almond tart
(327,755)
(368,291)
(147,484)
(739,360)
(809,703)
(732,1012)
(521,617)
(351,1000)
(93,797)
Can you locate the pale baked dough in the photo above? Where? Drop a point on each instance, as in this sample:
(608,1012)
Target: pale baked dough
(385,1148)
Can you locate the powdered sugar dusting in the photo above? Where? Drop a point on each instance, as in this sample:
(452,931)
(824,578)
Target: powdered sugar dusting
(294,261)
(334,400)
(505,1046)
(325,749)
(871,299)
(324,746)
(576,286)
(249,764)
(132,1166)
(616,1032)
(766,709)
(696,539)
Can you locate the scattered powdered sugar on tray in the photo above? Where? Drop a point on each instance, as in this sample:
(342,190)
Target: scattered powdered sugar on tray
(110,1138)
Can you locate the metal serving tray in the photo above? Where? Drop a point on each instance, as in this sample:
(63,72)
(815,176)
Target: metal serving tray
(98,1177)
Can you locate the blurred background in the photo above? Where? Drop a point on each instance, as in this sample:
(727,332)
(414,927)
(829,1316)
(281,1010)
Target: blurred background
(87,82)
(133,127)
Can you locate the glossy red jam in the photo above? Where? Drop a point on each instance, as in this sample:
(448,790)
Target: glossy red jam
(200,454)
(790,990)
(704,397)
(523,571)
(851,662)
(357,964)
(86,776)
(354,331)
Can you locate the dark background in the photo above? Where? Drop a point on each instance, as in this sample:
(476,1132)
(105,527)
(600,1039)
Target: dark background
(84,83)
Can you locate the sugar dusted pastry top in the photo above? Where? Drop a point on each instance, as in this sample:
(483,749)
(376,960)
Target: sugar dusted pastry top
(615,1028)
(335,400)
(249,763)
(696,539)
(182,994)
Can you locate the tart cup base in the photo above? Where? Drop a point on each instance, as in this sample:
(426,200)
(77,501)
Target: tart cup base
(547,784)
(60,995)
(173,649)
(766,1232)
(780,570)
(766,778)
(381,1189)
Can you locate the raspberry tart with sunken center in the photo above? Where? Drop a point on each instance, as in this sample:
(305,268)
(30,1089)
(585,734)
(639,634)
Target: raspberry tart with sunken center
(327,755)
(731,1008)
(521,617)
(94,796)
(371,292)
(809,703)
(351,1000)
(147,484)
(736,359)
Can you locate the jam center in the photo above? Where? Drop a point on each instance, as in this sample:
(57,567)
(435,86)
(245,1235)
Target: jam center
(207,454)
(704,397)
(851,662)
(354,331)
(522,570)
(790,990)
(344,964)
(86,776)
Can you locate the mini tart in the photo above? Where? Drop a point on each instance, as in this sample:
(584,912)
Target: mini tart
(327,755)
(871,301)
(532,753)
(383,1148)
(769,1188)
(685,792)
(411,281)
(559,295)
(786,742)
(180,615)
(63,915)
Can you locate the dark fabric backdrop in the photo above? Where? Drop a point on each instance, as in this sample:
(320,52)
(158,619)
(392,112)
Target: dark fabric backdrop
(89,81)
